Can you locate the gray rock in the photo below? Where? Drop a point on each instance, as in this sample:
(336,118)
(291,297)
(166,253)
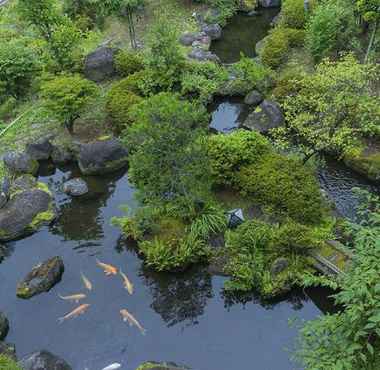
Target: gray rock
(99,65)
(276,20)
(25,213)
(203,55)
(75,187)
(235,218)
(214,31)
(20,163)
(41,279)
(61,155)
(270,3)
(23,183)
(196,40)
(188,38)
(40,150)
(267,116)
(4,326)
(3,199)
(43,360)
(253,98)
(8,349)
(103,156)
(278,266)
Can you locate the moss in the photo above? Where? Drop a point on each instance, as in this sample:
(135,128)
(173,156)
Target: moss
(42,186)
(365,164)
(156,366)
(42,218)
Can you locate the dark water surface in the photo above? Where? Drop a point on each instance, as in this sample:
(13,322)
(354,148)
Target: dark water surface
(188,320)
(241,35)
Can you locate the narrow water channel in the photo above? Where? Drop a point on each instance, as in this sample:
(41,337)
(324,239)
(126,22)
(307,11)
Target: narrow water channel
(187,318)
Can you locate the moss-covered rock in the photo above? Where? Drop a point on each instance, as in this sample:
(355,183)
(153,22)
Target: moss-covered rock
(20,163)
(151,365)
(41,279)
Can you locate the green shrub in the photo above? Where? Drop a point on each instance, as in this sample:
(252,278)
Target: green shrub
(286,85)
(276,47)
(202,80)
(293,14)
(8,364)
(228,153)
(128,62)
(331,29)
(296,37)
(120,99)
(284,186)
(18,65)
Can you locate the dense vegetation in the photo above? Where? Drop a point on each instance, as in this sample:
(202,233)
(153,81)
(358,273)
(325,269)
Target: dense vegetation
(318,62)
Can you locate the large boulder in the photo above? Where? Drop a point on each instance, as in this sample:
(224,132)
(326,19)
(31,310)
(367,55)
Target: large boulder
(26,211)
(43,360)
(188,38)
(270,3)
(20,163)
(102,156)
(265,117)
(202,55)
(40,150)
(8,349)
(61,155)
(253,98)
(99,65)
(42,278)
(214,31)
(4,326)
(199,39)
(75,187)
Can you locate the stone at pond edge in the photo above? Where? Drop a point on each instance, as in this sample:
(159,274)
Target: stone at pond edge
(270,3)
(4,326)
(61,155)
(40,150)
(278,266)
(8,349)
(99,65)
(75,187)
(214,31)
(198,53)
(42,278)
(26,211)
(267,116)
(20,163)
(152,365)
(253,98)
(43,360)
(102,156)
(366,164)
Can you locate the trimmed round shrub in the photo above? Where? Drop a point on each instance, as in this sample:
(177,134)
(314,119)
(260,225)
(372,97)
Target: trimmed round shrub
(120,99)
(276,47)
(284,186)
(295,37)
(227,153)
(128,62)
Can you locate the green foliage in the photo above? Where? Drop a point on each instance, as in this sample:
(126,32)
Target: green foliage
(253,248)
(332,108)
(293,14)
(165,59)
(226,9)
(128,62)
(18,65)
(228,153)
(331,29)
(284,186)
(167,147)
(202,80)
(349,339)
(276,47)
(119,101)
(369,9)
(7,363)
(67,96)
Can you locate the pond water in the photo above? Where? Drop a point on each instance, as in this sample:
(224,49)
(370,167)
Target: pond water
(241,35)
(187,317)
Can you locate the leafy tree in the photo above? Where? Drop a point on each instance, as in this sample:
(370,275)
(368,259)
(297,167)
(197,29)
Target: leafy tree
(331,29)
(67,96)
(332,108)
(165,59)
(169,158)
(349,340)
(18,64)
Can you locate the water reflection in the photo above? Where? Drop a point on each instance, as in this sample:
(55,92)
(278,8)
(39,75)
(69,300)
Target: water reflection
(179,298)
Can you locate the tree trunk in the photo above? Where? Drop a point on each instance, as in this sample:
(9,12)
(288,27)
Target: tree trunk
(371,41)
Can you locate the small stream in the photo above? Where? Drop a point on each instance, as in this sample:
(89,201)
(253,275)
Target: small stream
(187,317)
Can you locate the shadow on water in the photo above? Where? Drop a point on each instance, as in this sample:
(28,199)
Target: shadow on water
(241,35)
(187,317)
